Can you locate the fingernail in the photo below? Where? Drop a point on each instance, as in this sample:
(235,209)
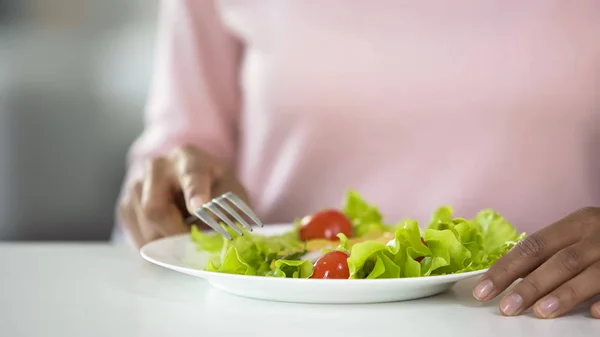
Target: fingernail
(483,289)
(196,203)
(596,310)
(511,304)
(547,306)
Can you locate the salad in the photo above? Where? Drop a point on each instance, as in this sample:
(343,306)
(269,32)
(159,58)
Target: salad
(354,242)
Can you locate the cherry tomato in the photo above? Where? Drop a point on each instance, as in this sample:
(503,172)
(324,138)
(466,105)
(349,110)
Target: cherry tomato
(333,265)
(419,259)
(325,225)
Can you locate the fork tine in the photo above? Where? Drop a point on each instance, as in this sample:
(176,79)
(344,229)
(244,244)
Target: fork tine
(213,208)
(242,207)
(224,205)
(202,215)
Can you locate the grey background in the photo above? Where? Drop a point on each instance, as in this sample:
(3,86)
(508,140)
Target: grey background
(73,81)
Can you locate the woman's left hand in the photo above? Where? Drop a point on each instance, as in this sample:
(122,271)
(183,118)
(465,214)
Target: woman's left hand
(560,267)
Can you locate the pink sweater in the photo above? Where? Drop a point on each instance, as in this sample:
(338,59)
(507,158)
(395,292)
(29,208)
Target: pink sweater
(472,103)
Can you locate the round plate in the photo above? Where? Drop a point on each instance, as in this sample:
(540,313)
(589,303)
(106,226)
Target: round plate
(178,253)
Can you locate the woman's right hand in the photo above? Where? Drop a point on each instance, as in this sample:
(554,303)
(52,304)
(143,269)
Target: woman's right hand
(172,188)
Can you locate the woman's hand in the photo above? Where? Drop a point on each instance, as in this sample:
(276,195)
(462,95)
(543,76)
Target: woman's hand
(172,188)
(560,267)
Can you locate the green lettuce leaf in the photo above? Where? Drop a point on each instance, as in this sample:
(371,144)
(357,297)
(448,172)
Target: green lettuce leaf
(441,218)
(384,267)
(363,258)
(490,258)
(409,237)
(467,232)
(495,229)
(407,247)
(211,243)
(487,237)
(235,263)
(292,269)
(250,254)
(452,245)
(365,217)
(470,235)
(450,254)
(343,246)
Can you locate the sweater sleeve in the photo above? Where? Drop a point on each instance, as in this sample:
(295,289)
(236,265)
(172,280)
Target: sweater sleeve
(194,98)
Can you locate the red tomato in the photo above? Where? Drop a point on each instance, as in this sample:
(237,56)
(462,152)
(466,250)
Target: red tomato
(325,225)
(333,265)
(419,259)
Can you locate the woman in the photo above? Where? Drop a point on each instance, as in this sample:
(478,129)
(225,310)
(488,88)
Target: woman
(473,103)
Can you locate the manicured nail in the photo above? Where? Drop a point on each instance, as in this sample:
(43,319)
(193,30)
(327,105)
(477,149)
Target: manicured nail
(197,203)
(483,289)
(511,304)
(547,306)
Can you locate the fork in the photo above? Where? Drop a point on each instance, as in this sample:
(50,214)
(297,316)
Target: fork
(221,208)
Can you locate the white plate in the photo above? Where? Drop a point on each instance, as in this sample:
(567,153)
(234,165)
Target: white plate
(178,253)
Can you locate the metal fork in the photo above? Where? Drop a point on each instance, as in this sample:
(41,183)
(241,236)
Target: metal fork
(221,208)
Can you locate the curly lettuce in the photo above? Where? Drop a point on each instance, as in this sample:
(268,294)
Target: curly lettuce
(251,254)
(365,217)
(447,245)
(292,269)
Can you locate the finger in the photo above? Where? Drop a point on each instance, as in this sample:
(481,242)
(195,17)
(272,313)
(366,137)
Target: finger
(148,231)
(158,202)
(595,310)
(526,256)
(560,268)
(195,178)
(581,288)
(129,219)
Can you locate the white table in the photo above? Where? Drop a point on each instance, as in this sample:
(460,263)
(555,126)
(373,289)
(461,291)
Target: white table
(101,290)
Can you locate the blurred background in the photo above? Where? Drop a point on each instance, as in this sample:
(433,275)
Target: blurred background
(73,81)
